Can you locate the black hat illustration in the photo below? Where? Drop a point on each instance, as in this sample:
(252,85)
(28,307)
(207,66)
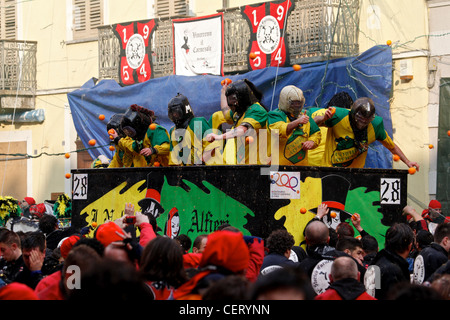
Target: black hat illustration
(151,204)
(334,194)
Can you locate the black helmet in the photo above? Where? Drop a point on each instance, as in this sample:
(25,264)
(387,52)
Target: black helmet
(179,111)
(241,94)
(341,99)
(136,121)
(362,112)
(114,123)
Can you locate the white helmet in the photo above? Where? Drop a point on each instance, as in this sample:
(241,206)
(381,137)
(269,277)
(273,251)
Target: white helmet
(288,95)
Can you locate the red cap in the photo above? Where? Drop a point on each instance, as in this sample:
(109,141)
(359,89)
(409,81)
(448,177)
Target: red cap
(106,233)
(17,291)
(434,204)
(67,245)
(226,249)
(29,200)
(38,209)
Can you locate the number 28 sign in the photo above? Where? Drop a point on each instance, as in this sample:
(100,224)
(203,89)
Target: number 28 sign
(267,23)
(135,51)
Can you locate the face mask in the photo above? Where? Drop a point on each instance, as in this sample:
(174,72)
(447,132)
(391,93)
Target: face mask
(361,121)
(295,108)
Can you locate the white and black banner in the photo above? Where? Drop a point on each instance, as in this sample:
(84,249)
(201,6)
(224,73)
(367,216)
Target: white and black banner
(198,45)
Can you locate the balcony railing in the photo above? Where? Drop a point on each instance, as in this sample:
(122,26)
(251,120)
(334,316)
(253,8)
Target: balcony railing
(317,30)
(17,68)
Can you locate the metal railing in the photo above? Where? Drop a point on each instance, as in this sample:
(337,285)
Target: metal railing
(317,30)
(18,67)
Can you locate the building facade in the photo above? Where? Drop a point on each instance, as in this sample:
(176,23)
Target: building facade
(66,34)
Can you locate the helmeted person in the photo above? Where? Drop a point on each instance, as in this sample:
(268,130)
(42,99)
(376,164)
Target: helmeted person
(149,142)
(120,158)
(350,132)
(298,133)
(342,100)
(247,116)
(187,146)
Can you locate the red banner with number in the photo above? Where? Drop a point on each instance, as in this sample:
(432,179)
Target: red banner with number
(135,51)
(267,22)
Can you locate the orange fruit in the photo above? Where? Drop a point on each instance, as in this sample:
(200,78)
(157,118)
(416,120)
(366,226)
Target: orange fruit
(94,224)
(101,117)
(302,210)
(431,146)
(67,155)
(156,164)
(249,139)
(333,214)
(297,67)
(252,55)
(396,157)
(153,126)
(226,81)
(412,170)
(355,216)
(389,42)
(333,110)
(111,131)
(448,133)
(92,142)
(68,175)
(112,148)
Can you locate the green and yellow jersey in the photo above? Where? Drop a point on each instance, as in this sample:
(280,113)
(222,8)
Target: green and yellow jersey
(290,146)
(238,150)
(340,148)
(187,146)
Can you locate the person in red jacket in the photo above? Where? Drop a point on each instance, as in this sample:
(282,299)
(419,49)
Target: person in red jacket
(59,284)
(344,282)
(226,253)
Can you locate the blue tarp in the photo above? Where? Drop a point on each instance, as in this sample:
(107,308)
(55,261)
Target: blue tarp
(369,74)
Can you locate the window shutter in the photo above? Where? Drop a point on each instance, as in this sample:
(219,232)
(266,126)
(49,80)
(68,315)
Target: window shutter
(87,16)
(8,25)
(168,8)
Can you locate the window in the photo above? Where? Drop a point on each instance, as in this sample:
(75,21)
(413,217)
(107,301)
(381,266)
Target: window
(170,8)
(8,25)
(87,16)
